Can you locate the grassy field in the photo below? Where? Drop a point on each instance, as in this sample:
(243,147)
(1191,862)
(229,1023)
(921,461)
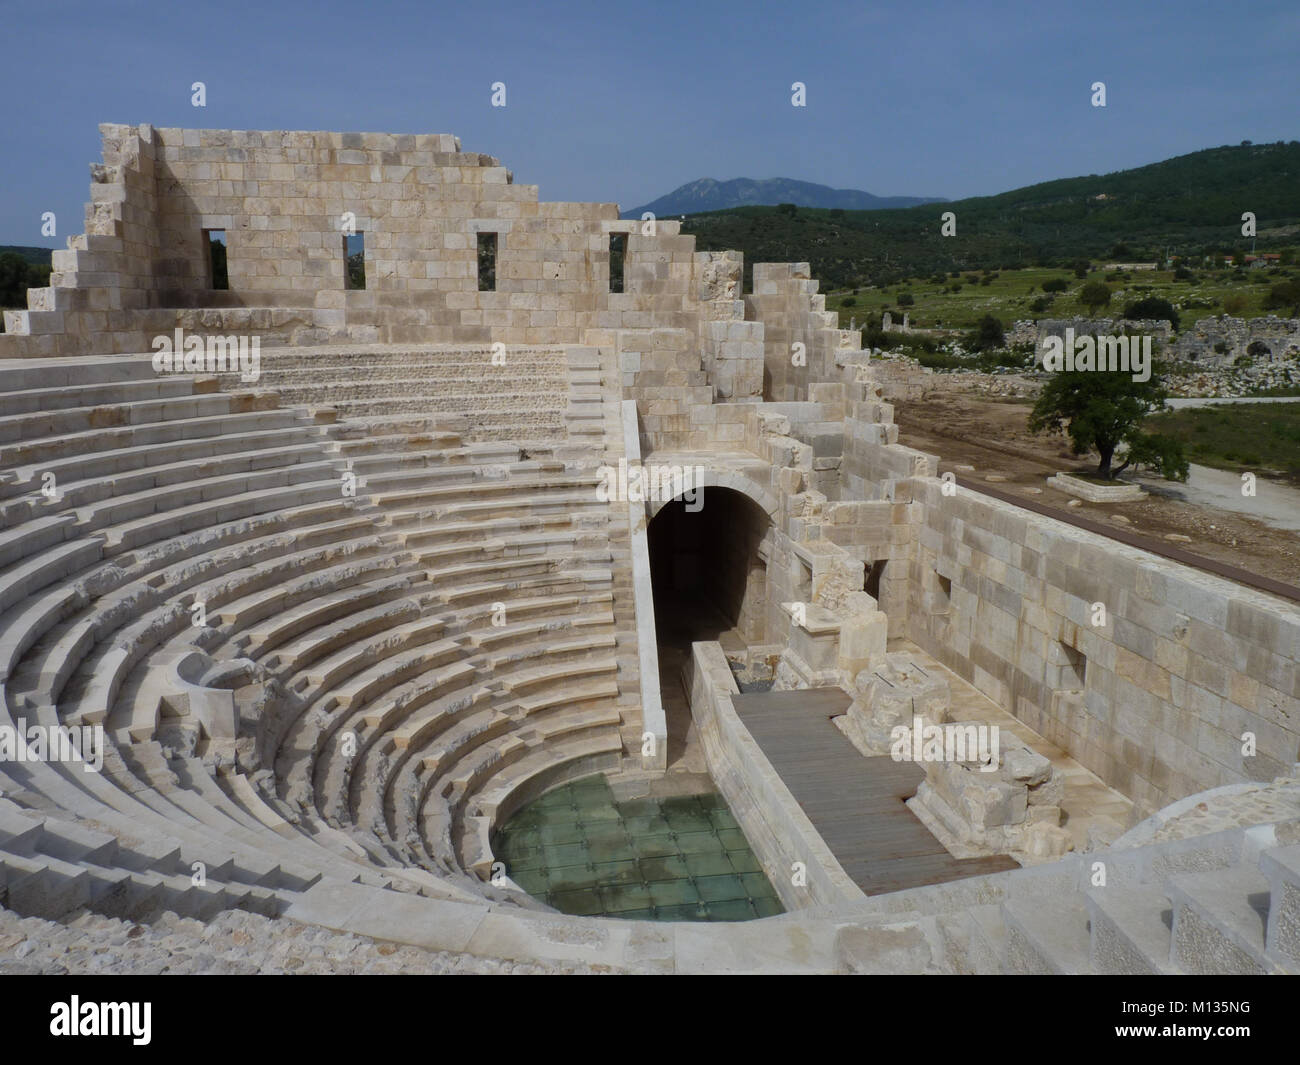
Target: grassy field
(1010,294)
(1238,436)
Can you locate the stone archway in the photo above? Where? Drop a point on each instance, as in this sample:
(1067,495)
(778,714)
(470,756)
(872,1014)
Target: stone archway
(708,566)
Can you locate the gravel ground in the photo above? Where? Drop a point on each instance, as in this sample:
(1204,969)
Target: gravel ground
(235,942)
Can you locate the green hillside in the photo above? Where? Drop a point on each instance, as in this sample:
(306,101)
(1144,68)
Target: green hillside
(1189,206)
(35,256)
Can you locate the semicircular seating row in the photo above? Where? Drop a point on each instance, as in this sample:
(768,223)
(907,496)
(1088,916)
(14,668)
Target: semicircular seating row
(406,659)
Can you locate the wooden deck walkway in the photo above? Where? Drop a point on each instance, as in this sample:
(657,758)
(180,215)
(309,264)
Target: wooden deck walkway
(855,803)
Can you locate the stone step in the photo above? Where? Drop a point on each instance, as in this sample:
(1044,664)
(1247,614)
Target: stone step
(1047,939)
(1132,930)
(1281,867)
(1220,918)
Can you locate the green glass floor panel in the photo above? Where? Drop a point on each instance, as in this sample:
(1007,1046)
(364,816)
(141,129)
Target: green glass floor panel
(654,846)
(606,833)
(733,839)
(698,843)
(623,897)
(674,893)
(720,888)
(561,832)
(566,854)
(676,859)
(612,873)
(732,910)
(703,864)
(688,912)
(669,867)
(757,886)
(743,861)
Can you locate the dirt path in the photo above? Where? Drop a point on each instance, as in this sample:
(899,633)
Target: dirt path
(1274,503)
(992,436)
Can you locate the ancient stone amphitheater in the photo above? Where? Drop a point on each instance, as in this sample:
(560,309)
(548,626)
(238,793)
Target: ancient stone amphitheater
(340,610)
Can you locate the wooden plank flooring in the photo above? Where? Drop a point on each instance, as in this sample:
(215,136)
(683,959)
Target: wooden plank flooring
(855,803)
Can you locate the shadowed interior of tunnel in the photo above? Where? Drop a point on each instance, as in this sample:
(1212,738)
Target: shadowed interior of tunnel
(708,568)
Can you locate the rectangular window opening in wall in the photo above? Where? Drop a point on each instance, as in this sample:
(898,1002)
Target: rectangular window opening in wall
(354,260)
(942,595)
(1073,672)
(617,252)
(215,242)
(487,262)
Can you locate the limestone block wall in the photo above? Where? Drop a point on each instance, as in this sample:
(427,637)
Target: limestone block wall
(1156,699)
(281,198)
(106,274)
(786,301)
(731,348)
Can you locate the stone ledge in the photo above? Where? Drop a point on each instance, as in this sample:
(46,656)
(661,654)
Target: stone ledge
(1097,493)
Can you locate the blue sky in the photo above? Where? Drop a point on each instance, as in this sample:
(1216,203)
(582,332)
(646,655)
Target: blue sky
(614,103)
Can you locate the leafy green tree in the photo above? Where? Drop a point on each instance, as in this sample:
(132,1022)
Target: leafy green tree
(1100,411)
(1055,284)
(220,269)
(1152,307)
(13,280)
(1282,296)
(357,270)
(986,336)
(1094,295)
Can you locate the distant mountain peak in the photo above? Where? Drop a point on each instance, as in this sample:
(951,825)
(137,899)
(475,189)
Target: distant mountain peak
(709,194)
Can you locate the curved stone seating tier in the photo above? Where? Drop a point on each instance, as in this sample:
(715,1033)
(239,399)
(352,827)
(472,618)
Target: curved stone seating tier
(127,488)
(211,552)
(32,455)
(378,614)
(595,748)
(115,468)
(410,758)
(80,419)
(195,831)
(354,707)
(516,394)
(152,598)
(108,393)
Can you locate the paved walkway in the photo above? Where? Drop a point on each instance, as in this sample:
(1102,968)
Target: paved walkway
(857,804)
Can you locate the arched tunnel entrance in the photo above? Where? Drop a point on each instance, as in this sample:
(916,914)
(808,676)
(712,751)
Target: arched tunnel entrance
(708,569)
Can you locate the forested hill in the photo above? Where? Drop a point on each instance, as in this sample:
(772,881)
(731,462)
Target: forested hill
(1190,205)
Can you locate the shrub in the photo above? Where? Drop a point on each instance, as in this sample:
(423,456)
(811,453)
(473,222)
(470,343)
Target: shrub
(987,335)
(1094,295)
(1055,284)
(1152,307)
(1283,296)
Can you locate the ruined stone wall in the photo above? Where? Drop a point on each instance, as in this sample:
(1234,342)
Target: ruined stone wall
(1036,332)
(1235,335)
(1195,343)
